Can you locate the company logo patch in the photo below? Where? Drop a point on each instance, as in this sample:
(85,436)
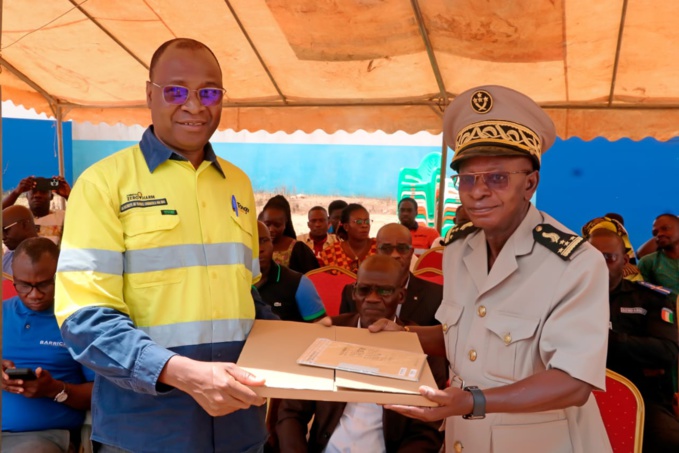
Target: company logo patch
(245,209)
(139,196)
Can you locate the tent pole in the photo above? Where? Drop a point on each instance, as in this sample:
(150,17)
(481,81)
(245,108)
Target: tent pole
(442,186)
(59,113)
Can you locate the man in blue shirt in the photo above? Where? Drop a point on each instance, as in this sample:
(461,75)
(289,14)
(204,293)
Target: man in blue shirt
(291,295)
(38,413)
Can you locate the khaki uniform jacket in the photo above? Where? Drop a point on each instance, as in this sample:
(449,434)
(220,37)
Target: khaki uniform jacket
(534,311)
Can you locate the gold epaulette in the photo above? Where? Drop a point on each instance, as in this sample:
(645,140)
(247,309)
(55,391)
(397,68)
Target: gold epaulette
(563,244)
(457,232)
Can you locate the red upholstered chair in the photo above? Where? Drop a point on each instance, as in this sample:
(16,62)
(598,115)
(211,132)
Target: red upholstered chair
(430,274)
(432,258)
(622,410)
(8,290)
(329,282)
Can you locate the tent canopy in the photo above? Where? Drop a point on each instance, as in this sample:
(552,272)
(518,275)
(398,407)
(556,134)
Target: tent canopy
(600,68)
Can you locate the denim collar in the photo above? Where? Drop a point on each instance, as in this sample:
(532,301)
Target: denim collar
(155,152)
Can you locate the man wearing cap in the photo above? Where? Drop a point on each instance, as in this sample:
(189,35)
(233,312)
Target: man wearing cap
(525,322)
(630,271)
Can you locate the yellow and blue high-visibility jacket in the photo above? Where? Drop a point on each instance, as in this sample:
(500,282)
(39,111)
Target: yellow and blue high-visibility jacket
(158,258)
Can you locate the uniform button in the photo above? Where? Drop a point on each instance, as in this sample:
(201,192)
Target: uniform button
(28,326)
(507,338)
(457,447)
(482,311)
(472,355)
(445,327)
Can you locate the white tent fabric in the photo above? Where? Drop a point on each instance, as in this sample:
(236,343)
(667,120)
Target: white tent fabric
(600,68)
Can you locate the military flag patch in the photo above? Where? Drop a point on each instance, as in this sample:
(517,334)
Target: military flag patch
(667,315)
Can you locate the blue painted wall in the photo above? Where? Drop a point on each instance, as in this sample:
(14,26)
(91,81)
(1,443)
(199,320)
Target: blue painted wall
(580,180)
(348,170)
(87,152)
(29,147)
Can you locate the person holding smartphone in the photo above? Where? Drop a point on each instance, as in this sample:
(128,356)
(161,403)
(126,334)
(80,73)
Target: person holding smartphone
(40,192)
(45,392)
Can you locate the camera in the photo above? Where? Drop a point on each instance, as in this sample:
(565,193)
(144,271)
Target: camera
(46,184)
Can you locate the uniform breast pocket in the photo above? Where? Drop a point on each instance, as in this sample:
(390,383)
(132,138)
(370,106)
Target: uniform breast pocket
(449,315)
(510,346)
(243,240)
(154,253)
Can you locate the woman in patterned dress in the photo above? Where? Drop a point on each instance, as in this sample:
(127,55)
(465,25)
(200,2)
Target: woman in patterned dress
(355,243)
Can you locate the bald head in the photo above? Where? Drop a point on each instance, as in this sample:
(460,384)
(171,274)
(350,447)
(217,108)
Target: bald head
(394,240)
(380,264)
(394,232)
(16,213)
(17,226)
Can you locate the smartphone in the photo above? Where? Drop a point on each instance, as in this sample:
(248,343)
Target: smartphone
(21,373)
(46,184)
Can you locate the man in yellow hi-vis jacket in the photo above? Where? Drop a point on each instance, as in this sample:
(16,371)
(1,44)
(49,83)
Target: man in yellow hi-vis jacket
(159,254)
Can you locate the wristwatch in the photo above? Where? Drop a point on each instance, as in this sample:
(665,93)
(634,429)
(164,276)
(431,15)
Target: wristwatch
(61,396)
(479,403)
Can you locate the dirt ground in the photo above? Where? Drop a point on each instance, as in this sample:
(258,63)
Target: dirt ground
(382,210)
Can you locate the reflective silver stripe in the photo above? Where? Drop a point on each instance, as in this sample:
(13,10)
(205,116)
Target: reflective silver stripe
(187,255)
(200,332)
(256,271)
(96,260)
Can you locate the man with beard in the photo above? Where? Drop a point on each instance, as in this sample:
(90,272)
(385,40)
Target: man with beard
(662,266)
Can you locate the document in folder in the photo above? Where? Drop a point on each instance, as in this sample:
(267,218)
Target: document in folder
(273,348)
(356,358)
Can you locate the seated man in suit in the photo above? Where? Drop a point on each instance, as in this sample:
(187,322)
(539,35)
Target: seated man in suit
(422,298)
(341,427)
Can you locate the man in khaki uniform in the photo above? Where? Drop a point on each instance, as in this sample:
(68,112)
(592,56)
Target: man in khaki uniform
(525,316)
